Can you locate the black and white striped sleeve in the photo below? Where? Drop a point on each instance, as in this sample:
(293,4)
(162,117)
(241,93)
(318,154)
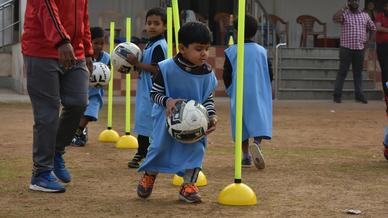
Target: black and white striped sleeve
(158,92)
(210,106)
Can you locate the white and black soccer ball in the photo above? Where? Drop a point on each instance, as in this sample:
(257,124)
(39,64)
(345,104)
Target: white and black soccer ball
(189,122)
(100,76)
(120,54)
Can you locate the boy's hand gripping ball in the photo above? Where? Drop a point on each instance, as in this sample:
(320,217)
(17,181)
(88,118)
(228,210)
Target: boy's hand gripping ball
(120,55)
(189,122)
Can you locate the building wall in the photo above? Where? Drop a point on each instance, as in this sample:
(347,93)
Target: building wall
(8,36)
(290,10)
(102,12)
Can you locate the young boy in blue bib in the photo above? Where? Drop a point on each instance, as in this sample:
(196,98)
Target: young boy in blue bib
(257,99)
(95,93)
(186,76)
(154,52)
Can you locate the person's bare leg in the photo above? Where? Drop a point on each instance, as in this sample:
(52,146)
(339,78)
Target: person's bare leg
(80,137)
(83,122)
(246,158)
(245,145)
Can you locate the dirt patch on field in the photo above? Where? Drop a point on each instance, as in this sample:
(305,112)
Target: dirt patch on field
(324,158)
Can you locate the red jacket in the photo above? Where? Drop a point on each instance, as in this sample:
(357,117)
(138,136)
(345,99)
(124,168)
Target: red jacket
(382,37)
(51,23)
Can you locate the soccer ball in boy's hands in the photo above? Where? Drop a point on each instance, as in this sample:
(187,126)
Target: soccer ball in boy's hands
(100,76)
(189,122)
(120,54)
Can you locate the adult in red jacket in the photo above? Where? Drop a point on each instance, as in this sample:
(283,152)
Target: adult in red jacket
(382,48)
(57,50)
(382,55)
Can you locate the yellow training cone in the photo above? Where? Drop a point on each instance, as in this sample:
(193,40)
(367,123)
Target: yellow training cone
(127,141)
(108,135)
(177,180)
(201,181)
(230,42)
(237,194)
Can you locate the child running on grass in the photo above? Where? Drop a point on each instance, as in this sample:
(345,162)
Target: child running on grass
(95,93)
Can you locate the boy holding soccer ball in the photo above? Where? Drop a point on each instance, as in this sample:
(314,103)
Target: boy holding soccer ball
(154,52)
(95,93)
(257,99)
(186,76)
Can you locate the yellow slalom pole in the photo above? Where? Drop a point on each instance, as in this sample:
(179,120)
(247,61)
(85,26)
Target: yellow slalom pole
(109,135)
(127,140)
(176,16)
(169,32)
(239,94)
(128,84)
(238,193)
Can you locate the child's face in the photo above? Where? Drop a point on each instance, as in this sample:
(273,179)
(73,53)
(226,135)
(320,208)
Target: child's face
(154,26)
(195,53)
(98,45)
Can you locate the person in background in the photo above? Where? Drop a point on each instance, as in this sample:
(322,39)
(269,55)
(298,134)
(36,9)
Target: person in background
(355,26)
(371,10)
(382,54)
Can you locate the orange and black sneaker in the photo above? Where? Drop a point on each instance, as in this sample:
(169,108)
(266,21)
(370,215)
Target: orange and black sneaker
(189,193)
(146,183)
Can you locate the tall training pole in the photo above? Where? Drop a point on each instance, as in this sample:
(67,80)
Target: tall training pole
(176,16)
(110,135)
(127,140)
(169,32)
(238,193)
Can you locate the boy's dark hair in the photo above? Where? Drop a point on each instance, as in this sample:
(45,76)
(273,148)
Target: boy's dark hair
(96,32)
(194,32)
(250,26)
(158,12)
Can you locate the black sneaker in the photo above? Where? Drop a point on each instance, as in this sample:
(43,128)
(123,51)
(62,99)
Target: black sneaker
(337,100)
(362,99)
(135,162)
(246,162)
(80,139)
